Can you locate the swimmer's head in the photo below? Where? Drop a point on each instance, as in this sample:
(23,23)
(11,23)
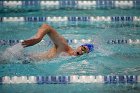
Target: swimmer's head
(85,48)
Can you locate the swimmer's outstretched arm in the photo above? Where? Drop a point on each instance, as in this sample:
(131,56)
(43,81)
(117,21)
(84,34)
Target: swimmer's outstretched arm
(43,30)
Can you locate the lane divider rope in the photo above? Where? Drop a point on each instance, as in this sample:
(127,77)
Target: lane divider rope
(72,19)
(75,41)
(73,3)
(109,79)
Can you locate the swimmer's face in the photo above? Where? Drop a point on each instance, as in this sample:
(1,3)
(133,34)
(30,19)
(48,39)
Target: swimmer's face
(81,50)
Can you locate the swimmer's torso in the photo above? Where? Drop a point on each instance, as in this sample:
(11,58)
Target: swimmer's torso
(53,52)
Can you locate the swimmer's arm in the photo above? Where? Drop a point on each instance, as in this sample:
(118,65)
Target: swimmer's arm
(43,30)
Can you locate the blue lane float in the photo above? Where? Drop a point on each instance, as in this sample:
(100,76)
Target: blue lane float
(121,79)
(117,41)
(136,3)
(109,79)
(78,18)
(31,3)
(1,3)
(53,79)
(1,80)
(67,3)
(35,19)
(0,19)
(105,3)
(9,42)
(122,18)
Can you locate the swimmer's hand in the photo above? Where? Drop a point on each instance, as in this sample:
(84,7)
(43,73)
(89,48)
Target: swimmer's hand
(25,43)
(30,42)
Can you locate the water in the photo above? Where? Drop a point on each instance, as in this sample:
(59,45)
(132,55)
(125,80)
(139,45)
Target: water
(105,54)
(107,59)
(80,88)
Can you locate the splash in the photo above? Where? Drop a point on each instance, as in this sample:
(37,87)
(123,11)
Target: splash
(104,52)
(101,47)
(13,52)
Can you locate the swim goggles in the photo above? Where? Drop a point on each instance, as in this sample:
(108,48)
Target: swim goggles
(84,50)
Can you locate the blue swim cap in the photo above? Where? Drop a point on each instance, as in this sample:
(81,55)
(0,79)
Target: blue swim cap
(90,46)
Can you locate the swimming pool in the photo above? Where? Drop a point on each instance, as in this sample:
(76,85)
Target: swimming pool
(112,67)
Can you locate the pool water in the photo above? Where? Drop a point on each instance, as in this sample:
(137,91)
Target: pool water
(106,59)
(70,88)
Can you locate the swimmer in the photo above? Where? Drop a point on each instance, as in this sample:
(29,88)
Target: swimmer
(60,44)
